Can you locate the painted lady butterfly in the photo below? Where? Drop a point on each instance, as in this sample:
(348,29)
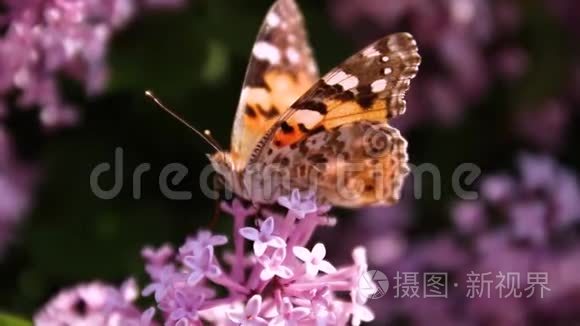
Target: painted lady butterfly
(331,135)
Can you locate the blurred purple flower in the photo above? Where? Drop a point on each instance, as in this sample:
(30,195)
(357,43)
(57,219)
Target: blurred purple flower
(45,39)
(18,182)
(520,224)
(544,127)
(92,304)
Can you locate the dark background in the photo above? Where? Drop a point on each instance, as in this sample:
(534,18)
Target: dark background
(195,59)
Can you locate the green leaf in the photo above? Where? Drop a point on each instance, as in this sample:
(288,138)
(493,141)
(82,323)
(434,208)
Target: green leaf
(9,320)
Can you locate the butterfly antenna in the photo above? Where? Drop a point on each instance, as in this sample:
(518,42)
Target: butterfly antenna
(206,135)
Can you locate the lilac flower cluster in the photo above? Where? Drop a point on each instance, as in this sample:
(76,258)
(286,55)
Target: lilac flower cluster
(519,225)
(280,281)
(17,183)
(456,36)
(41,41)
(93,304)
(45,39)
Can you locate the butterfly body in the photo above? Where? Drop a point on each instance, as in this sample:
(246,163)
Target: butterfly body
(329,135)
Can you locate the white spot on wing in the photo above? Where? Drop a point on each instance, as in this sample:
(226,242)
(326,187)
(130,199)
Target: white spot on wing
(378,86)
(343,79)
(266,51)
(388,71)
(292,55)
(371,52)
(335,78)
(273,20)
(308,117)
(385,59)
(349,83)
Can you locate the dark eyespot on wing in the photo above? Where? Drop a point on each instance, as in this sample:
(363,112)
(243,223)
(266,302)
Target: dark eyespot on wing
(250,112)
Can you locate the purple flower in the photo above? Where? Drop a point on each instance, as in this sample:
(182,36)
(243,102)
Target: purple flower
(156,259)
(273,265)
(18,181)
(273,288)
(519,225)
(186,308)
(263,238)
(159,256)
(201,265)
(91,304)
(468,217)
(250,316)
(289,315)
(147,317)
(46,39)
(204,239)
(298,204)
(314,260)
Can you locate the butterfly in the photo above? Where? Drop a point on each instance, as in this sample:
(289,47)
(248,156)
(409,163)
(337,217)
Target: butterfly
(331,135)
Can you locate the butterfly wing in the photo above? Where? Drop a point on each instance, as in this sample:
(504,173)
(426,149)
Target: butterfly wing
(353,165)
(368,86)
(281,69)
(336,137)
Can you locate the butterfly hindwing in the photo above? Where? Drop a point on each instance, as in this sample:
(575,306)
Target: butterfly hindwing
(281,69)
(356,164)
(368,86)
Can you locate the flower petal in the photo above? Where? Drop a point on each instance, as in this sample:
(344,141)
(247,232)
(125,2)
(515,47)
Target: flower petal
(218,240)
(302,253)
(295,196)
(147,317)
(299,313)
(276,242)
(311,269)
(284,272)
(258,321)
(191,262)
(206,256)
(249,233)
(278,255)
(326,267)
(213,271)
(149,289)
(194,277)
(267,226)
(177,314)
(319,251)
(266,274)
(182,322)
(236,316)
(284,201)
(259,248)
(254,305)
(365,314)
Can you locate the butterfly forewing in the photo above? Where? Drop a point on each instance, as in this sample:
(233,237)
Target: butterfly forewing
(281,69)
(368,86)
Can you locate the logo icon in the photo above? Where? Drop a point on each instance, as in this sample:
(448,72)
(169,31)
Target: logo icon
(373,284)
